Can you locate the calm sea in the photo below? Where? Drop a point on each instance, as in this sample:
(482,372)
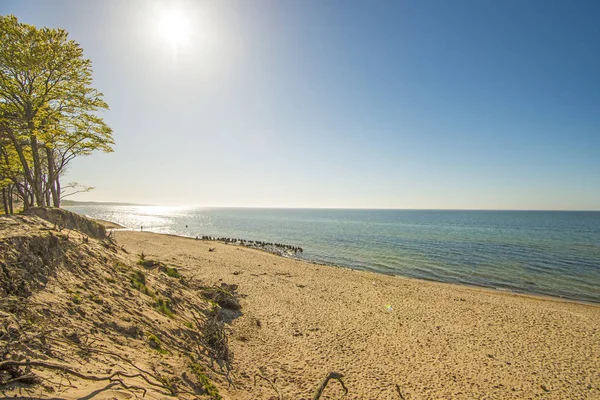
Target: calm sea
(545,252)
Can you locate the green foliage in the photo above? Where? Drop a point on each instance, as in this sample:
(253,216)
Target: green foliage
(209,387)
(214,307)
(139,276)
(155,343)
(121,266)
(169,382)
(138,281)
(172,272)
(164,306)
(169,271)
(95,298)
(48,108)
(10,165)
(225,296)
(76,298)
(149,264)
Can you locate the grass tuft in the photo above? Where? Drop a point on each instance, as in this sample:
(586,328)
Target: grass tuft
(225,296)
(209,387)
(172,272)
(138,281)
(76,298)
(95,298)
(155,343)
(164,306)
(121,266)
(148,264)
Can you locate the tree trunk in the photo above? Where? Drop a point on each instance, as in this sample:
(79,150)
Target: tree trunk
(10,199)
(55,196)
(38,190)
(52,178)
(35,179)
(58,194)
(47,195)
(25,194)
(28,177)
(4,201)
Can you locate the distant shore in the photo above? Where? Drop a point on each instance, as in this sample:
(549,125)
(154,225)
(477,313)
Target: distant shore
(435,340)
(71,203)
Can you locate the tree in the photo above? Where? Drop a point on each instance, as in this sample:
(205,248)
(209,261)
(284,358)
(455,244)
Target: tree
(48,109)
(11,174)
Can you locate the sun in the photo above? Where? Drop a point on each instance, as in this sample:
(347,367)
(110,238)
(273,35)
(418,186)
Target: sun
(174,27)
(184,29)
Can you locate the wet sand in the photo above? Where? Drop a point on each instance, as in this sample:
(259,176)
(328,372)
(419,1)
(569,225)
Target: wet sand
(109,224)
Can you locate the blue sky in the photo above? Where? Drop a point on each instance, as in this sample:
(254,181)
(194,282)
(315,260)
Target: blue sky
(376,104)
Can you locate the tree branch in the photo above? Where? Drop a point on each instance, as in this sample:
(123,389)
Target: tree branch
(332,375)
(272,383)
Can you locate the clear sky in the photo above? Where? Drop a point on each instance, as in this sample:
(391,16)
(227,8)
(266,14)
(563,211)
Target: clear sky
(375,104)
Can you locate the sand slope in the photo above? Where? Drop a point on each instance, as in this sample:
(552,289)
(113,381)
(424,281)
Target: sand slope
(81,318)
(439,341)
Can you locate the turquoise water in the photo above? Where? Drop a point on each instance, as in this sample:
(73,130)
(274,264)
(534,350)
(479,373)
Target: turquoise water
(545,252)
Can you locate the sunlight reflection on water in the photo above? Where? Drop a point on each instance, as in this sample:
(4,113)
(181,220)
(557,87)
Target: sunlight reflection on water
(555,253)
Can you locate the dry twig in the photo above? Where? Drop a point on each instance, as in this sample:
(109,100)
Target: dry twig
(332,375)
(399,392)
(271,382)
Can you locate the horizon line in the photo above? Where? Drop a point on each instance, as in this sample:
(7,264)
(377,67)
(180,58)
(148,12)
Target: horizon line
(81,202)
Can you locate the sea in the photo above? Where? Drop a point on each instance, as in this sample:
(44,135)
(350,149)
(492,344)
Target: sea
(555,253)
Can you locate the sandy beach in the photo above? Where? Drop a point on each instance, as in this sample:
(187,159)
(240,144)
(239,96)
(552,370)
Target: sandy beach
(299,200)
(300,321)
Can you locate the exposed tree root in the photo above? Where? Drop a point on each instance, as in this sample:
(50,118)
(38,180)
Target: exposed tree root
(114,377)
(399,392)
(271,382)
(332,375)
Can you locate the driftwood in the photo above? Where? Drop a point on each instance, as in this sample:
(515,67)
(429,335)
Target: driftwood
(332,375)
(271,382)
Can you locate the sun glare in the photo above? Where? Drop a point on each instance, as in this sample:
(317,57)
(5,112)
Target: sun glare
(174,27)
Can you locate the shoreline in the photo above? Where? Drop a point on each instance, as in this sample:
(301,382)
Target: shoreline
(491,289)
(107,224)
(301,320)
